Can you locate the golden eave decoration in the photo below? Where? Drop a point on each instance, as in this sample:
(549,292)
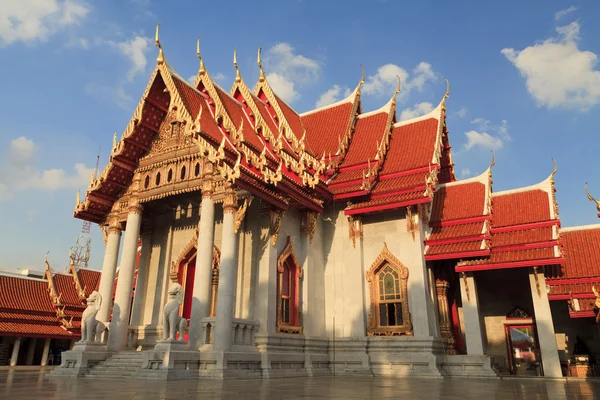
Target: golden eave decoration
(590,198)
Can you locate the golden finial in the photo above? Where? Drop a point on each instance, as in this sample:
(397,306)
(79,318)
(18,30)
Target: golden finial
(202,69)
(238,76)
(397,90)
(77,199)
(262,73)
(161,57)
(362,76)
(447,88)
(554,170)
(115,140)
(589,196)
(493,159)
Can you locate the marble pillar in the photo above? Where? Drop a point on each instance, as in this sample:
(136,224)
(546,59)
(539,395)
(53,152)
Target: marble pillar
(544,324)
(204,259)
(222,337)
(139,297)
(30,351)
(117,338)
(109,269)
(353,278)
(45,353)
(14,358)
(470,305)
(444,316)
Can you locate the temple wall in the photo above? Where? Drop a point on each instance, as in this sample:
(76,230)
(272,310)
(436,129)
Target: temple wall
(567,329)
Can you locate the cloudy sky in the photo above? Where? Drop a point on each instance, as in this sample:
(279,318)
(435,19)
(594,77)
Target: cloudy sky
(525,82)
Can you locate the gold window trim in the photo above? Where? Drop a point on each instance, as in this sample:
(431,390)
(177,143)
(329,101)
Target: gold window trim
(373,329)
(288,252)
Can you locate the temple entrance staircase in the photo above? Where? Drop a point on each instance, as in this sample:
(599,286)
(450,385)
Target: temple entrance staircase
(121,365)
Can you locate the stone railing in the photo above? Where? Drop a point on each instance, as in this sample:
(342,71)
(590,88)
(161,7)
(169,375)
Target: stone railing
(242,335)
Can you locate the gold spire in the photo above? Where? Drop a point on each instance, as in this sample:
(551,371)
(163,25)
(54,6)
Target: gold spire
(77,199)
(554,170)
(115,140)
(202,69)
(238,76)
(397,90)
(362,76)
(161,57)
(443,103)
(589,196)
(493,159)
(262,73)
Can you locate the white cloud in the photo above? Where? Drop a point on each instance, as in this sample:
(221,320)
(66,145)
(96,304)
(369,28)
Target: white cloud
(462,112)
(385,80)
(332,95)
(37,20)
(465,173)
(219,77)
(288,71)
(564,12)
(487,135)
(135,50)
(21,172)
(557,73)
(418,110)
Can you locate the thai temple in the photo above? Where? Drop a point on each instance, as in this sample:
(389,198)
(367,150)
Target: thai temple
(335,241)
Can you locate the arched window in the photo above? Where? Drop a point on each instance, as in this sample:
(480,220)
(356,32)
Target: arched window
(289,274)
(389,315)
(170,175)
(157,180)
(182,176)
(197,170)
(146,182)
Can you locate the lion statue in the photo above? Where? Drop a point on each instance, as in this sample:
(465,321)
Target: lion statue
(89,323)
(172,322)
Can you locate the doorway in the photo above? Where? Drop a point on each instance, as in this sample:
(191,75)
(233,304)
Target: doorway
(523,350)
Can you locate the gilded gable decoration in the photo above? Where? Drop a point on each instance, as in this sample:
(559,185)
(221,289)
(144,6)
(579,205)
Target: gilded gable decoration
(276,216)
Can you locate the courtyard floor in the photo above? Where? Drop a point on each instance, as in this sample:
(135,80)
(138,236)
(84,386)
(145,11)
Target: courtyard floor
(29,384)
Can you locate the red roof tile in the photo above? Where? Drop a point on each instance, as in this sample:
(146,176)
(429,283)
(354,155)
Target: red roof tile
(522,236)
(411,146)
(522,255)
(65,286)
(24,294)
(520,208)
(192,99)
(458,201)
(368,132)
(89,280)
(401,182)
(18,328)
(581,249)
(454,231)
(390,199)
(573,288)
(325,128)
(454,247)
(292,118)
(236,111)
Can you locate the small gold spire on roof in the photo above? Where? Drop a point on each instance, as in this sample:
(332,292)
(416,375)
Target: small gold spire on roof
(589,196)
(77,199)
(397,90)
(443,102)
(161,57)
(493,159)
(202,69)
(238,76)
(115,140)
(262,73)
(362,76)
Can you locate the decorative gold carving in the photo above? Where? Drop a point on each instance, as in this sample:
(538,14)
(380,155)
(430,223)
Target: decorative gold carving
(276,216)
(374,329)
(466,284)
(445,325)
(355,230)
(80,290)
(590,198)
(104,230)
(287,253)
(241,213)
(537,282)
(230,200)
(309,224)
(424,210)
(161,56)
(114,226)
(412,221)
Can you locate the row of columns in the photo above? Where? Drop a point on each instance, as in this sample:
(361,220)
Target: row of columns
(201,297)
(30,352)
(543,319)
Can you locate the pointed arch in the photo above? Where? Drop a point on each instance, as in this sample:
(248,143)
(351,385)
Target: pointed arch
(289,279)
(389,314)
(183,271)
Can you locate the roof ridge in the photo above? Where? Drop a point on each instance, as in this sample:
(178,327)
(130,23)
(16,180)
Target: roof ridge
(579,228)
(481,178)
(544,185)
(436,113)
(350,99)
(9,274)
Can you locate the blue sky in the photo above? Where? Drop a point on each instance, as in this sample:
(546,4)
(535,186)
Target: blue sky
(524,82)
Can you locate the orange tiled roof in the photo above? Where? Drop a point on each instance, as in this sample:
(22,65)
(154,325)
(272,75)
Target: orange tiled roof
(65,286)
(581,249)
(292,118)
(458,201)
(89,279)
(456,231)
(325,128)
(452,248)
(368,132)
(520,208)
(32,329)
(24,294)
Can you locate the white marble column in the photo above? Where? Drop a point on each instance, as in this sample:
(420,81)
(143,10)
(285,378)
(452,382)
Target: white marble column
(30,351)
(204,259)
(117,337)
(139,297)
(222,337)
(544,325)
(353,277)
(470,306)
(15,352)
(109,268)
(45,353)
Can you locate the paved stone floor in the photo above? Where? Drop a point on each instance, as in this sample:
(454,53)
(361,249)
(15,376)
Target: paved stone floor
(25,385)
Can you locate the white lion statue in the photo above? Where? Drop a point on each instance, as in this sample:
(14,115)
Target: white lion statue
(172,322)
(89,323)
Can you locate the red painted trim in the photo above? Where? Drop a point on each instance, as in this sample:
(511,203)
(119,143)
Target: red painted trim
(568,297)
(570,281)
(581,314)
(462,221)
(355,211)
(533,225)
(405,173)
(398,192)
(350,194)
(507,265)
(446,256)
(535,245)
(461,239)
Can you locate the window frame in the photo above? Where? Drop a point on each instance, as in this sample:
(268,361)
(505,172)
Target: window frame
(288,260)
